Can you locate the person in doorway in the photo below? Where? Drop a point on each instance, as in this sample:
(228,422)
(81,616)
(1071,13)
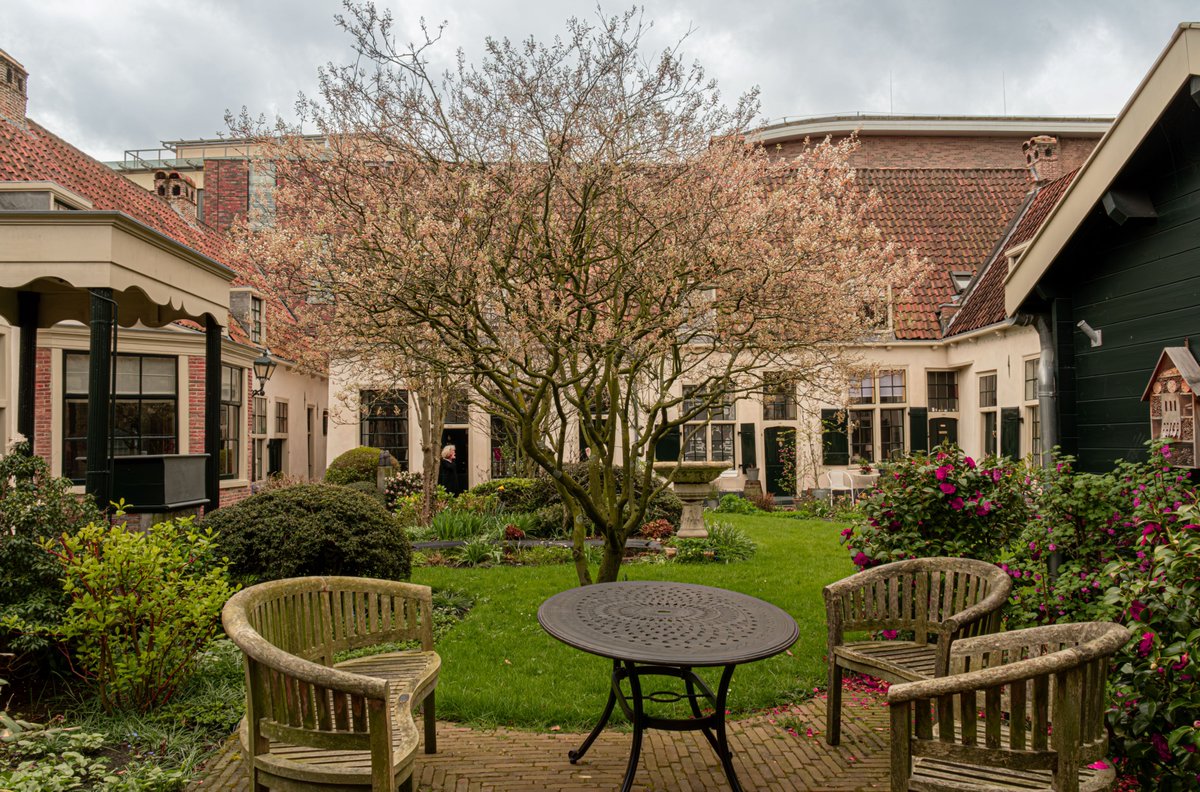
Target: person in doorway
(448,472)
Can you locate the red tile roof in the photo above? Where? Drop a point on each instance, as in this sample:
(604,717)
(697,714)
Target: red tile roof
(32,153)
(983,304)
(952,217)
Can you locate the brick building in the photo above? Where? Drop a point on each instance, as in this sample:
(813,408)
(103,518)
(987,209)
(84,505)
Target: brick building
(159,398)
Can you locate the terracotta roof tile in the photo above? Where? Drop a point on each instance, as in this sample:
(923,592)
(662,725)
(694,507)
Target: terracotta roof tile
(33,153)
(952,217)
(984,302)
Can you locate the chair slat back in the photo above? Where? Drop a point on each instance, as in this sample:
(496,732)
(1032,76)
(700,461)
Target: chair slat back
(1042,710)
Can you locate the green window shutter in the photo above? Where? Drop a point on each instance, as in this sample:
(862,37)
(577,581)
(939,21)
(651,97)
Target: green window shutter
(1010,432)
(918,429)
(668,448)
(835,443)
(749,446)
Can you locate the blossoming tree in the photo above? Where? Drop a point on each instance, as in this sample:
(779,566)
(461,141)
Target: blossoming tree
(583,232)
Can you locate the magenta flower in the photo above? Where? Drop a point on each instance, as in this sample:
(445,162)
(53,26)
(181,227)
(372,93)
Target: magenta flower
(1166,452)
(956,504)
(861,559)
(1160,746)
(942,472)
(969,463)
(889,635)
(1146,644)
(997,474)
(983,508)
(1136,609)
(948,488)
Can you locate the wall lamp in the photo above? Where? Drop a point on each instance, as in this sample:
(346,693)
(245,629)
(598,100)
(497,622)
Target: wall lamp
(264,367)
(1094,335)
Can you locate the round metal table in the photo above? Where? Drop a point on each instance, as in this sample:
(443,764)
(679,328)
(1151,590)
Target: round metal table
(650,628)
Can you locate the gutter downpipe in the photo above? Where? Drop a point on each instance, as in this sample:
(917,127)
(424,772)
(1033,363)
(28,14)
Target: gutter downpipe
(1047,401)
(1046,390)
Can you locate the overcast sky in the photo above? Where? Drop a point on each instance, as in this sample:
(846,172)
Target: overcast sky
(115,74)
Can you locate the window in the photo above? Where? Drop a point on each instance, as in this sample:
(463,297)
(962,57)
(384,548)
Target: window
(258,442)
(862,435)
(891,434)
(256,320)
(144,407)
(504,448)
(281,418)
(1033,418)
(231,421)
(876,433)
(862,389)
(942,391)
(988,416)
(383,422)
(711,438)
(1031,378)
(456,409)
(891,387)
(779,397)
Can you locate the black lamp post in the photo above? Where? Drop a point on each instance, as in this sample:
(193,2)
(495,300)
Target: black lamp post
(264,367)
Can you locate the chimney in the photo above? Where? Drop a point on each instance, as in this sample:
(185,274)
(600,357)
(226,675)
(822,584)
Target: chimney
(178,190)
(1041,156)
(13,83)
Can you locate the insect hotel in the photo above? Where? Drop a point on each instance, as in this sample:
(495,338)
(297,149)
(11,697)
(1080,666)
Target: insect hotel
(1172,395)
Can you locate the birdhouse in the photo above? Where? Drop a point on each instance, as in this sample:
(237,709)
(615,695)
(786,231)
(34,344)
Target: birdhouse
(1172,396)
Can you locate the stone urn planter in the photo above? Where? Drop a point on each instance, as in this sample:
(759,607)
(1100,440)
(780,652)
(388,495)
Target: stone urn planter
(692,482)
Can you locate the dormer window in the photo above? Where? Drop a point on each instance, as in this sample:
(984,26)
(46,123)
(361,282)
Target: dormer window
(256,320)
(960,280)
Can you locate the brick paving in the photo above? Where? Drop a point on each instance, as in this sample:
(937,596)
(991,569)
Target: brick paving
(767,755)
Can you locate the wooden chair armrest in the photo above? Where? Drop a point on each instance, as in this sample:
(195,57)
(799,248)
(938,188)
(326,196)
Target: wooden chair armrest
(993,602)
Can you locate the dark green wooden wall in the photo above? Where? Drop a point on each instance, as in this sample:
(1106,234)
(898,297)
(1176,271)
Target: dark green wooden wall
(1140,284)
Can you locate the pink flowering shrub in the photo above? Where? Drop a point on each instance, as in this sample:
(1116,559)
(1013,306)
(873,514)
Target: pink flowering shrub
(1155,684)
(941,503)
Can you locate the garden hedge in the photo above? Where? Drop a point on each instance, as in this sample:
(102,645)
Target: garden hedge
(357,464)
(311,529)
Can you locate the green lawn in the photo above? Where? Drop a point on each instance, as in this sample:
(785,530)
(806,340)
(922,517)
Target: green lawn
(500,668)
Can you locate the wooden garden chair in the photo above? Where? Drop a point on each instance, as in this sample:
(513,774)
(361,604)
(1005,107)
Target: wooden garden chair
(937,600)
(1021,710)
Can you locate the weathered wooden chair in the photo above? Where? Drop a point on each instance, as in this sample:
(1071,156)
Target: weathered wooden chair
(939,598)
(314,724)
(1043,696)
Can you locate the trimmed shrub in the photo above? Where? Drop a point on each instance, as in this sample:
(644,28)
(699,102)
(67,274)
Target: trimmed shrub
(366,488)
(512,494)
(311,529)
(357,464)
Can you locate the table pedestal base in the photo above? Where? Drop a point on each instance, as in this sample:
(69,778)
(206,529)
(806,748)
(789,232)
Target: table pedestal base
(633,705)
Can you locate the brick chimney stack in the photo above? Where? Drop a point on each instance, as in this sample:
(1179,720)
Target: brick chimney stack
(1041,156)
(178,190)
(13,84)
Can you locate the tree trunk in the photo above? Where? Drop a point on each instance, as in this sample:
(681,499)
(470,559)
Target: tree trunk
(614,553)
(578,547)
(431,417)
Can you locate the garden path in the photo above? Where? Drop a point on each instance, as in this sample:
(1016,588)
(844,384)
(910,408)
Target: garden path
(767,754)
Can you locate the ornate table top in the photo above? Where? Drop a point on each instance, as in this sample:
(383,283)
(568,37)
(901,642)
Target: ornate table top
(674,624)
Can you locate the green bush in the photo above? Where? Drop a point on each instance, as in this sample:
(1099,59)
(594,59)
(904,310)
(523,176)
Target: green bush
(311,529)
(725,543)
(663,506)
(33,505)
(452,526)
(941,504)
(735,504)
(402,485)
(1156,679)
(141,606)
(366,488)
(513,494)
(357,464)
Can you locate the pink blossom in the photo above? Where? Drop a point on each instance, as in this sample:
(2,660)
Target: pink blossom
(941,473)
(997,474)
(1146,644)
(956,504)
(890,635)
(983,508)
(1166,452)
(861,559)
(947,488)
(969,463)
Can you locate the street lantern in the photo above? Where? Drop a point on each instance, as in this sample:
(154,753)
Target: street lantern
(264,367)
